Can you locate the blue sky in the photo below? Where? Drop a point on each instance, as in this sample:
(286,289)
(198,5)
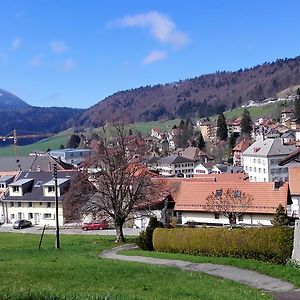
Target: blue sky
(75,53)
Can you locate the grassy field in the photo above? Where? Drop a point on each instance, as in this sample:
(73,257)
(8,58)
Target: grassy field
(285,272)
(49,143)
(76,272)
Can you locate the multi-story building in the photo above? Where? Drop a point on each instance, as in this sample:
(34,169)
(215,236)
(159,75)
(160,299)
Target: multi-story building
(261,160)
(175,165)
(71,156)
(32,197)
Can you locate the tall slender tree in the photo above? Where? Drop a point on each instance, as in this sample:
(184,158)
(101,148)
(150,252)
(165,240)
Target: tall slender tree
(246,123)
(222,133)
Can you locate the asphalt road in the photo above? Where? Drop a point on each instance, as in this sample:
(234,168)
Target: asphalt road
(38,230)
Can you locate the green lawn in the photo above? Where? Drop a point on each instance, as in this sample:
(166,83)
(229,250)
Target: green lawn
(284,272)
(76,272)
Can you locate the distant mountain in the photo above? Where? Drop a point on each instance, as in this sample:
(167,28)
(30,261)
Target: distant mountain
(197,97)
(10,101)
(39,119)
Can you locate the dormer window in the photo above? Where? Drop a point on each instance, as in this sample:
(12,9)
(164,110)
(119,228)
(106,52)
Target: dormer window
(219,193)
(2,186)
(51,189)
(237,194)
(15,189)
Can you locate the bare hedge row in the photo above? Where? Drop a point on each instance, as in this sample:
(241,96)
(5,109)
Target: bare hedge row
(272,244)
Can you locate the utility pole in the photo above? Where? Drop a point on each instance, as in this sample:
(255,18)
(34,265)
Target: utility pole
(57,244)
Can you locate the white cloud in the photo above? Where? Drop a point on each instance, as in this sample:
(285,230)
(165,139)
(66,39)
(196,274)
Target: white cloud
(161,27)
(15,43)
(154,56)
(36,61)
(58,47)
(68,64)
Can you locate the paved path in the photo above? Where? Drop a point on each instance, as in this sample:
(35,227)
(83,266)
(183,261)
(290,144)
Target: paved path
(280,289)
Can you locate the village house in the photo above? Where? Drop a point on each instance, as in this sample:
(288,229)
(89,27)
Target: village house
(191,201)
(208,130)
(32,197)
(261,160)
(238,150)
(294,184)
(71,156)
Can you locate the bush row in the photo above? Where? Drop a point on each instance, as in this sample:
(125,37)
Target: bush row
(272,244)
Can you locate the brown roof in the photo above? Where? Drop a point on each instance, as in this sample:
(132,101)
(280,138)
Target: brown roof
(224,177)
(294,180)
(192,195)
(242,146)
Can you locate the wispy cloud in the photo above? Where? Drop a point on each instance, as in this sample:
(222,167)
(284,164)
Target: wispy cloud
(58,47)
(68,64)
(16,43)
(161,27)
(20,14)
(3,58)
(36,61)
(154,56)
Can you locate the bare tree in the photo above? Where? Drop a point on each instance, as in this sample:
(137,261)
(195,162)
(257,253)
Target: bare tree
(118,183)
(231,203)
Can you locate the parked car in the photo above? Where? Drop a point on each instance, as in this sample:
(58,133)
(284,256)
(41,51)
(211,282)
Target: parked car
(95,225)
(19,224)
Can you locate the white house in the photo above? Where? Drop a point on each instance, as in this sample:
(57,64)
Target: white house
(32,197)
(261,160)
(71,156)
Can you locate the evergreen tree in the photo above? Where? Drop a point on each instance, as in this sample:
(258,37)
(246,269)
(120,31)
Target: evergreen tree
(130,132)
(246,123)
(201,142)
(61,147)
(231,141)
(181,124)
(222,133)
(74,141)
(280,218)
(297,109)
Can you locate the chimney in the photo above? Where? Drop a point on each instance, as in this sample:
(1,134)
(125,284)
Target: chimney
(276,185)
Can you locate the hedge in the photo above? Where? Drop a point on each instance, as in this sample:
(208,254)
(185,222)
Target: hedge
(272,244)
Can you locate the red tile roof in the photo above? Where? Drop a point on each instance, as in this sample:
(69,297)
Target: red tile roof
(294,180)
(192,195)
(242,146)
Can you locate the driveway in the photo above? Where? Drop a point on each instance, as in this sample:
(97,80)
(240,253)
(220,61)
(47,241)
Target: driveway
(38,230)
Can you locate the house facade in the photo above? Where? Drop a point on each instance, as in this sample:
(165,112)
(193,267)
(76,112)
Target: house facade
(261,160)
(294,183)
(32,197)
(71,156)
(191,203)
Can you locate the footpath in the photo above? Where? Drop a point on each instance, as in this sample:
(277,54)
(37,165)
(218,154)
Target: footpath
(279,289)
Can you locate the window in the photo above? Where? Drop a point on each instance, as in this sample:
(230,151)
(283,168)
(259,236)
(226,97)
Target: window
(241,218)
(12,216)
(48,204)
(250,169)
(19,204)
(254,169)
(259,170)
(47,216)
(51,189)
(237,194)
(12,204)
(217,216)
(30,216)
(264,171)
(15,189)
(219,193)
(258,161)
(2,186)
(246,168)
(29,204)
(254,160)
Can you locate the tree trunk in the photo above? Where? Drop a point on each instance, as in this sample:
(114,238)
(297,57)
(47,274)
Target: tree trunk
(232,219)
(119,233)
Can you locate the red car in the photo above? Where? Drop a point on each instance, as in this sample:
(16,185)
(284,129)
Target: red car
(95,225)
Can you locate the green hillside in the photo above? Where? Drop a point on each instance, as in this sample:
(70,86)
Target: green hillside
(55,141)
(49,143)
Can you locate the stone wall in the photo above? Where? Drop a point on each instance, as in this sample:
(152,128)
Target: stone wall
(296,250)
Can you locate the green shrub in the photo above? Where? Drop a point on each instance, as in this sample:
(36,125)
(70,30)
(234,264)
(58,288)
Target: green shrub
(272,244)
(144,240)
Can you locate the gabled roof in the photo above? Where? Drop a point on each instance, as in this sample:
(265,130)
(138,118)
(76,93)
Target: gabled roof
(35,190)
(294,180)
(294,156)
(21,182)
(269,147)
(174,159)
(242,146)
(194,153)
(192,195)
